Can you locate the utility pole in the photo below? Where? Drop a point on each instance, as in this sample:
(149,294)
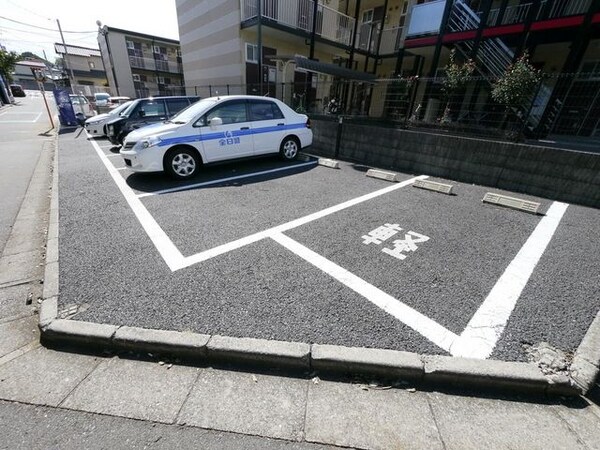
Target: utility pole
(66,60)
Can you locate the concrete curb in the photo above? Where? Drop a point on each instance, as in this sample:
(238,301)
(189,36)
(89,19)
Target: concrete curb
(326,359)
(586,362)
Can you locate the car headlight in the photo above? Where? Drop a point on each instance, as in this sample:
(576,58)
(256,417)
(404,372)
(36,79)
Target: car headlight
(148,142)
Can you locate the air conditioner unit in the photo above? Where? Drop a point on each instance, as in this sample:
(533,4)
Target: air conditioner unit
(156,49)
(136,77)
(161,80)
(130,45)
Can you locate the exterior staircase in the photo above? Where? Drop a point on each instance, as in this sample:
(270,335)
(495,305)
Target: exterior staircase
(493,57)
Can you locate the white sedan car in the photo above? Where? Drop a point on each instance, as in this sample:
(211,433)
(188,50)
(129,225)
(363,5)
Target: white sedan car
(217,129)
(96,125)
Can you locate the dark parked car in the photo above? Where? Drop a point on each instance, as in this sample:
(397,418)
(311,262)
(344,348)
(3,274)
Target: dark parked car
(145,111)
(17,90)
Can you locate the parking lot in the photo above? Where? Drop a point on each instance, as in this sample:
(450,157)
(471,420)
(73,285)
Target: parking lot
(300,252)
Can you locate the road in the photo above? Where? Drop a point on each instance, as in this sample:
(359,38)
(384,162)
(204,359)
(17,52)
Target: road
(23,128)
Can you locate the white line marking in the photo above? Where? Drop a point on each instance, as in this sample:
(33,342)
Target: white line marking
(215,251)
(173,257)
(479,338)
(423,325)
(159,238)
(15,121)
(224,180)
(37,118)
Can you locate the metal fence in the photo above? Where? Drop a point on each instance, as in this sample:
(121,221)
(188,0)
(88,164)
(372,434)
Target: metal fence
(567,104)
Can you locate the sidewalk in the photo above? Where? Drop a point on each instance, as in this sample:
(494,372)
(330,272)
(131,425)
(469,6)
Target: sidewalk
(298,409)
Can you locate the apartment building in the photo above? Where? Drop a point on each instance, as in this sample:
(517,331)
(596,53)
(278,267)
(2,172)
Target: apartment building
(141,65)
(344,49)
(86,66)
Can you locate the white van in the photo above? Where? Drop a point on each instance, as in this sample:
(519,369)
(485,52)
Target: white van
(217,129)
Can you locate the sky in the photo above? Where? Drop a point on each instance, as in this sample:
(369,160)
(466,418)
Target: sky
(78,22)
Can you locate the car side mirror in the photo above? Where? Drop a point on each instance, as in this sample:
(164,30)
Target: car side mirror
(215,122)
(142,113)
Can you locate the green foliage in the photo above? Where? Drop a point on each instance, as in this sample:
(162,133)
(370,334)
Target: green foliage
(517,83)
(7,63)
(457,75)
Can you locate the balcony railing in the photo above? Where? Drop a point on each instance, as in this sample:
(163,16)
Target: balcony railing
(152,64)
(561,8)
(556,8)
(516,14)
(298,14)
(391,40)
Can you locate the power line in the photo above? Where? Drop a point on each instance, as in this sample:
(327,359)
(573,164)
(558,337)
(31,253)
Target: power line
(4,27)
(44,28)
(28,10)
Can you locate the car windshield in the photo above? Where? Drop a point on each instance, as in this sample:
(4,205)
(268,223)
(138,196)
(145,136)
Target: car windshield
(120,109)
(127,112)
(193,111)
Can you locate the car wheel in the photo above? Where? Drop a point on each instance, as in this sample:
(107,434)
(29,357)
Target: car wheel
(182,163)
(289,149)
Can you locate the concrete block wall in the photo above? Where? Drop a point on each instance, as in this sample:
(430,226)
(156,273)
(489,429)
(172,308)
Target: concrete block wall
(557,174)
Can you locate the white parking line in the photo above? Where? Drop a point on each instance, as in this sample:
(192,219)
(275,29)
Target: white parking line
(171,254)
(159,238)
(479,338)
(423,325)
(215,251)
(224,180)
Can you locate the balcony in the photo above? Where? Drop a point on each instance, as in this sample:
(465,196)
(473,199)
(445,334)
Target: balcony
(391,40)
(152,64)
(298,14)
(549,9)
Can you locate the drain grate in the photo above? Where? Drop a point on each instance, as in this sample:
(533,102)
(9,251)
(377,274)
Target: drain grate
(382,175)
(331,163)
(434,186)
(511,202)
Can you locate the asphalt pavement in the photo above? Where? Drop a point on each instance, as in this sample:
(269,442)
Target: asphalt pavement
(256,256)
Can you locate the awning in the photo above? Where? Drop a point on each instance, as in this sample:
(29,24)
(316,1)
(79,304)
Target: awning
(331,69)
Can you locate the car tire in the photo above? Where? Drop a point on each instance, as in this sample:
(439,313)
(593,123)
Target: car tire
(289,149)
(182,163)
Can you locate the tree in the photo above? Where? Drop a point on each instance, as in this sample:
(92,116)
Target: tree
(517,83)
(514,89)
(457,77)
(7,64)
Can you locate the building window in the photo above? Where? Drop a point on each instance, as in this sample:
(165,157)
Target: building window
(130,45)
(92,65)
(367,16)
(251,53)
(136,77)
